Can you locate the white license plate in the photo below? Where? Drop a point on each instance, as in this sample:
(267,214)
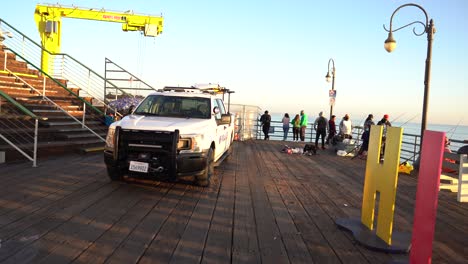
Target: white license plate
(138,166)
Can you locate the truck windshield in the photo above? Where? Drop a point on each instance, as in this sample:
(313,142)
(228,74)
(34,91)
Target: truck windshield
(174,106)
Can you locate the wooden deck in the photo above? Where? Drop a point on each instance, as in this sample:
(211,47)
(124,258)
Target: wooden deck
(264,206)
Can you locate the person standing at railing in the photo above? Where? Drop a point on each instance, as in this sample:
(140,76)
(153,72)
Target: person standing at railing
(331,129)
(285,121)
(385,123)
(320,126)
(296,123)
(346,127)
(366,135)
(303,124)
(265,119)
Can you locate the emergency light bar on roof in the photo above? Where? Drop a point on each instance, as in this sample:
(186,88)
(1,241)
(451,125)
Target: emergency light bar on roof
(180,89)
(211,88)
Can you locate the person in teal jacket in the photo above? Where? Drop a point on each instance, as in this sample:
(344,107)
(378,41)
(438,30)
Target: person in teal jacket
(303,124)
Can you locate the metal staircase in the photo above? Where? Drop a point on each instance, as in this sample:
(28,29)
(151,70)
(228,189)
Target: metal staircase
(69,103)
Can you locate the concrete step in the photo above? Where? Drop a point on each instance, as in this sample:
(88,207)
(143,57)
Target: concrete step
(84,135)
(69,123)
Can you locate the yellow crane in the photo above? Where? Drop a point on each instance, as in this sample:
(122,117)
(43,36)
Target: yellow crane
(49,22)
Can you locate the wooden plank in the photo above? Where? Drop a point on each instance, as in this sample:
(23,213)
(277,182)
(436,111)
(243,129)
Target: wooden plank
(323,185)
(66,242)
(21,234)
(134,246)
(219,240)
(244,242)
(106,244)
(289,221)
(167,239)
(26,185)
(315,226)
(192,242)
(269,192)
(38,201)
(272,249)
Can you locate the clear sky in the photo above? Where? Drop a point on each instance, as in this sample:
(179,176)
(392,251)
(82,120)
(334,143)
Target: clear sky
(275,54)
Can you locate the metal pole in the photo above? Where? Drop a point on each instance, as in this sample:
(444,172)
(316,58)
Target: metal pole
(333,72)
(427,76)
(35,143)
(84,115)
(43,87)
(333,88)
(429,29)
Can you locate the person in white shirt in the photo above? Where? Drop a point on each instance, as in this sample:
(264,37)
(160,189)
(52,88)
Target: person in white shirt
(346,127)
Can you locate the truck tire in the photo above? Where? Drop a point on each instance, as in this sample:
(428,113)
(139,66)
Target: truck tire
(204,179)
(114,173)
(229,151)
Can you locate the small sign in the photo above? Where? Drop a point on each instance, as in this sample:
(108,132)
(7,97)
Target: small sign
(332,93)
(332,101)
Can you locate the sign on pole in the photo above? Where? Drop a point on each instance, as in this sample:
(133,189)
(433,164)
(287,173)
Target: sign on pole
(332,95)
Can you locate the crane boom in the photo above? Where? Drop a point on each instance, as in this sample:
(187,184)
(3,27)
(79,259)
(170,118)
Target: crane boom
(49,23)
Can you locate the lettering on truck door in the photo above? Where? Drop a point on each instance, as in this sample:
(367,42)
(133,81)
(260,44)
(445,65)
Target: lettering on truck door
(220,130)
(226,137)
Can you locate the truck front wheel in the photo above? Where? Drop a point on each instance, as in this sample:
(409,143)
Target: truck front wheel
(204,179)
(114,173)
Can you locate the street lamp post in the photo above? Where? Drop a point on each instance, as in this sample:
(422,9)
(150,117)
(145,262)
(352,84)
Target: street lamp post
(429,29)
(332,77)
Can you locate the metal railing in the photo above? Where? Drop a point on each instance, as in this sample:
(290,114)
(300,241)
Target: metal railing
(245,121)
(89,112)
(18,127)
(410,145)
(125,80)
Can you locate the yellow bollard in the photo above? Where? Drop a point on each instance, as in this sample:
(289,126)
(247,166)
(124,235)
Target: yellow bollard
(382,178)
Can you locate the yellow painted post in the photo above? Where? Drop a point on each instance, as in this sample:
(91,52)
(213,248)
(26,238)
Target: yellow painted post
(381,178)
(50,32)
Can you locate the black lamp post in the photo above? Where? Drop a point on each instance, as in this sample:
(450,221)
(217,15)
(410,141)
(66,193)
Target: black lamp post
(332,77)
(429,29)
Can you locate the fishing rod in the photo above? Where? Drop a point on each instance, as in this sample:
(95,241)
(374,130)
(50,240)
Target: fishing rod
(454,128)
(398,117)
(409,120)
(414,155)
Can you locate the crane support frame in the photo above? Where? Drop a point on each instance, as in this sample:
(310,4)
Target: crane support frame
(49,23)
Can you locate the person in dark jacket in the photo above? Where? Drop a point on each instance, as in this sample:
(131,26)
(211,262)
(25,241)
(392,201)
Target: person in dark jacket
(385,123)
(365,136)
(331,129)
(265,120)
(320,126)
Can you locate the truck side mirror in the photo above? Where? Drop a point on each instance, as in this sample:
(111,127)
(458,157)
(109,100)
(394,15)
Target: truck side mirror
(225,119)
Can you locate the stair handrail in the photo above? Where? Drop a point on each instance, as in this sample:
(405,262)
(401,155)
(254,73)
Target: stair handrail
(57,82)
(131,74)
(36,126)
(20,106)
(56,105)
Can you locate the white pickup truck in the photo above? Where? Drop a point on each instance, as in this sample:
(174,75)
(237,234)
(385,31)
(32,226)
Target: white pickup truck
(171,133)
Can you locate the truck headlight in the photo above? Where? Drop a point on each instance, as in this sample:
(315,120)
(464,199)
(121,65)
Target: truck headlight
(110,139)
(190,143)
(196,143)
